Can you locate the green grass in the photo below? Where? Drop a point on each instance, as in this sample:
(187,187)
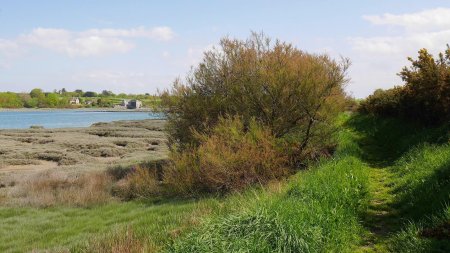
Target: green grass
(317,211)
(422,189)
(25,229)
(386,189)
(349,203)
(410,184)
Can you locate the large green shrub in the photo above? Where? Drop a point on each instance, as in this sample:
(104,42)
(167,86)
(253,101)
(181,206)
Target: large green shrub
(384,102)
(231,158)
(295,94)
(425,97)
(427,93)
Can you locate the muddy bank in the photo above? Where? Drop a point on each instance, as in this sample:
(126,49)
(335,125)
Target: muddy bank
(81,149)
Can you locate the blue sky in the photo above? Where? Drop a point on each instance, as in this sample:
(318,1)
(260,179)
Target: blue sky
(142,46)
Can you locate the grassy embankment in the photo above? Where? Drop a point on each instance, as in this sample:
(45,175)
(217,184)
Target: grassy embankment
(409,185)
(387,189)
(317,209)
(387,193)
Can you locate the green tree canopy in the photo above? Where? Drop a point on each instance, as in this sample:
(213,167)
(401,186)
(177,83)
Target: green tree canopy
(37,93)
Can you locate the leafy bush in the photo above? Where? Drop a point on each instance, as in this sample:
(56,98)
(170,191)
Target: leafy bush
(425,96)
(383,102)
(295,94)
(232,157)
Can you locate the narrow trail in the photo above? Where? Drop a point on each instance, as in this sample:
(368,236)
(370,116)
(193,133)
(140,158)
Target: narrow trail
(380,218)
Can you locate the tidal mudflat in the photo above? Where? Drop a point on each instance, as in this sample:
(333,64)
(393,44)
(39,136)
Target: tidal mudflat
(73,152)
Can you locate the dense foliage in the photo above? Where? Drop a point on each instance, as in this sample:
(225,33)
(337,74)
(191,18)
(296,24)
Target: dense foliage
(10,100)
(295,94)
(37,98)
(232,157)
(425,97)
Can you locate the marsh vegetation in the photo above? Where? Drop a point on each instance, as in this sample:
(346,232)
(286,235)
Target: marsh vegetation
(51,166)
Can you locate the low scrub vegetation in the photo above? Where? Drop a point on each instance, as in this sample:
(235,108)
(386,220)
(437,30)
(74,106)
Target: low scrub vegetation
(425,97)
(141,183)
(231,157)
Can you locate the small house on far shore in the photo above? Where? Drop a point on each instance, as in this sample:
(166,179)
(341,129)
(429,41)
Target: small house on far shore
(74,101)
(134,104)
(124,102)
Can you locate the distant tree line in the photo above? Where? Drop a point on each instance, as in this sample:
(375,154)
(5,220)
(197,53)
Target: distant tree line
(37,98)
(425,97)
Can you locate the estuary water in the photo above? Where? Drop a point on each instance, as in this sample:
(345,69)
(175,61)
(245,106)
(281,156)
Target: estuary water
(66,118)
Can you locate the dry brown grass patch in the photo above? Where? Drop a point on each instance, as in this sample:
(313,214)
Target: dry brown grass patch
(53,188)
(120,241)
(140,182)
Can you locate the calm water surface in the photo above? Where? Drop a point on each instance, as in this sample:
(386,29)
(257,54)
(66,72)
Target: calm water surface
(67,118)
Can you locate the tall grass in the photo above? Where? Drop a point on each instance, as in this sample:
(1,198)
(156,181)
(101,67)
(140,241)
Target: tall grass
(419,159)
(53,188)
(86,229)
(317,212)
(423,195)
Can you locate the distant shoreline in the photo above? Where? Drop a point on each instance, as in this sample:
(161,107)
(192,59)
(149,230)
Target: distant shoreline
(77,109)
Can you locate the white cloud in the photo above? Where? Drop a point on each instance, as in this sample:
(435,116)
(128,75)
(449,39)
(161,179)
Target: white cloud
(434,19)
(433,41)
(162,33)
(74,45)
(377,59)
(92,42)
(165,54)
(8,47)
(121,81)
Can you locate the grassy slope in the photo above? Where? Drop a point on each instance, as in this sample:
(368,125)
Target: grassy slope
(377,194)
(388,183)
(317,211)
(422,189)
(410,184)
